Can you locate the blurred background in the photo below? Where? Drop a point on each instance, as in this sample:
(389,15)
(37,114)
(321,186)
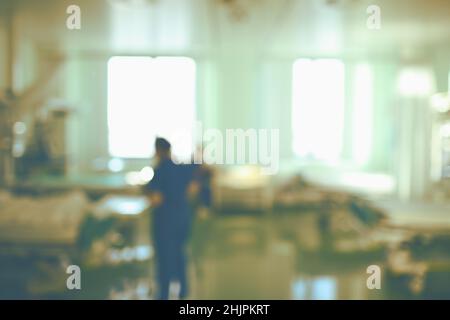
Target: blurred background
(363,110)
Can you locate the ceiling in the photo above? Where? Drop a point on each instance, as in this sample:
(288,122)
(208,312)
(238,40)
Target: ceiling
(316,27)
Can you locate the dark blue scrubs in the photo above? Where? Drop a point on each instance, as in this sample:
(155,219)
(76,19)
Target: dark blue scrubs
(171,224)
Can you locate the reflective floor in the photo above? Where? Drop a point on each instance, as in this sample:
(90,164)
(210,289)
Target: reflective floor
(270,257)
(252,256)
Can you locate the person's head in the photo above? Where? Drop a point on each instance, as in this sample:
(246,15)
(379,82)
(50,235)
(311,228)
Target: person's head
(162,148)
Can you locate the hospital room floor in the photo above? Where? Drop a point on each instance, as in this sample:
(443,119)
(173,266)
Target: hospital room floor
(277,255)
(268,257)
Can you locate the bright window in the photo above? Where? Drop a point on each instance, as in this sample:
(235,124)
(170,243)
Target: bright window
(318,109)
(149,97)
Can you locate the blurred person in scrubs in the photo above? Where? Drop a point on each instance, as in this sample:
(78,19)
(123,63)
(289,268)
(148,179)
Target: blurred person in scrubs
(170,191)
